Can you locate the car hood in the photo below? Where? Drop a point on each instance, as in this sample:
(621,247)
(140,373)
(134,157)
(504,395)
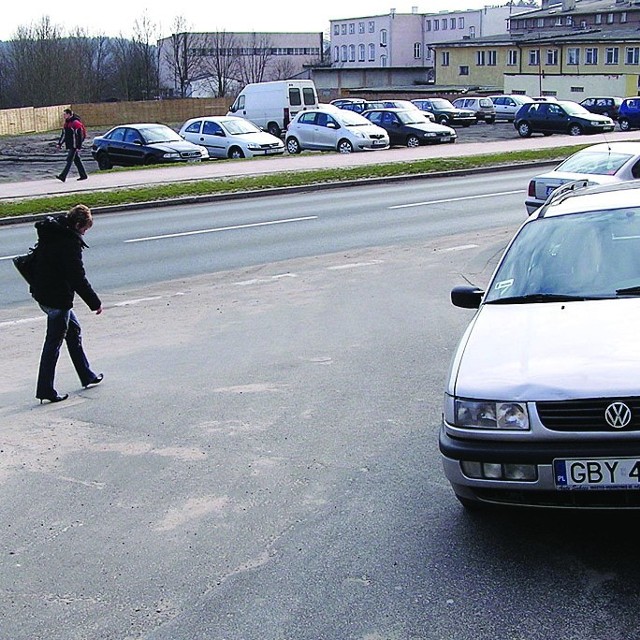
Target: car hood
(430,127)
(178,145)
(550,351)
(261,137)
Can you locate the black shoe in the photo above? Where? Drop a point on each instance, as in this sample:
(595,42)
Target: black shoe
(97,380)
(83,177)
(61,178)
(55,398)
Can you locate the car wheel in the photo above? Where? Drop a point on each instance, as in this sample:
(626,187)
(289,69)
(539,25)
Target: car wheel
(443,120)
(274,129)
(524,130)
(452,141)
(466,125)
(413,141)
(293,146)
(103,162)
(575,130)
(151,160)
(236,152)
(490,120)
(625,125)
(344,146)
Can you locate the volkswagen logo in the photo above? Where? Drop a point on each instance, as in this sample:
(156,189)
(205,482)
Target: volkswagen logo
(617,415)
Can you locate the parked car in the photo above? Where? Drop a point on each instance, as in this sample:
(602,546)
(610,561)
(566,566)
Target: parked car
(544,98)
(230,137)
(351,104)
(482,107)
(508,105)
(605,106)
(603,163)
(559,117)
(409,127)
(397,104)
(335,129)
(133,144)
(541,405)
(444,112)
(629,114)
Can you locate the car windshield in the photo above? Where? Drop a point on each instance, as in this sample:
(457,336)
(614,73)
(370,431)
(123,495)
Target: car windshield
(160,133)
(584,256)
(575,109)
(594,162)
(353,119)
(441,103)
(239,127)
(412,116)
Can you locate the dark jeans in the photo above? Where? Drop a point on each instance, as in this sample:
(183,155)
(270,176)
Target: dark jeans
(73,157)
(62,325)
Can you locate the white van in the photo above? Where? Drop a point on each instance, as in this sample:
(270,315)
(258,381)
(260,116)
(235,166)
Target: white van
(272,105)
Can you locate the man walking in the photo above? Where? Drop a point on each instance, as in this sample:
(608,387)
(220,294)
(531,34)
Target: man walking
(73,133)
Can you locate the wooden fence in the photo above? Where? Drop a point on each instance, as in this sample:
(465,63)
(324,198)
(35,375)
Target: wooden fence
(107,114)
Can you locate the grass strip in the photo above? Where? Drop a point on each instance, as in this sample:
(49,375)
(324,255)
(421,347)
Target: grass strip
(194,188)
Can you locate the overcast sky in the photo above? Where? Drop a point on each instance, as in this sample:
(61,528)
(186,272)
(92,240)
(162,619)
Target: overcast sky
(116,17)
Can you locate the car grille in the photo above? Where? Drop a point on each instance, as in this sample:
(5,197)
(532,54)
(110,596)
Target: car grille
(270,145)
(586,415)
(376,136)
(190,154)
(605,499)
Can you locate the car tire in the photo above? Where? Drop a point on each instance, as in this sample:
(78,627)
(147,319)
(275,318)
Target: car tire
(625,125)
(575,130)
(452,141)
(490,120)
(466,125)
(104,163)
(274,129)
(235,153)
(413,142)
(443,120)
(344,146)
(293,146)
(524,130)
(150,160)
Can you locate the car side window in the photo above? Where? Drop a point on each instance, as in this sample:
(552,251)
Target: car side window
(307,118)
(635,172)
(375,117)
(332,123)
(212,129)
(194,127)
(117,135)
(132,135)
(389,118)
(322,119)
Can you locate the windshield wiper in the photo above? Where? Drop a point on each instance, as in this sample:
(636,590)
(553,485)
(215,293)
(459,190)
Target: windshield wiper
(540,297)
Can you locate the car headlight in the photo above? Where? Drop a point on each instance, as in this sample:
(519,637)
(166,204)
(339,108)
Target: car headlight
(254,146)
(487,414)
(171,154)
(597,122)
(429,134)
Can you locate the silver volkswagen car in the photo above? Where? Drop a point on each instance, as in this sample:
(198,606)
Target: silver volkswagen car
(542,403)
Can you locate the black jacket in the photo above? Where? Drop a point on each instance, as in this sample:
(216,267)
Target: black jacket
(72,133)
(59,272)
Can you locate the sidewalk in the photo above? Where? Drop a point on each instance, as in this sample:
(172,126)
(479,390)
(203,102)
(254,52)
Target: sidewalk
(282,164)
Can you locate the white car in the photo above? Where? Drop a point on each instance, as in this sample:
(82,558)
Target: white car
(507,105)
(542,403)
(334,130)
(600,164)
(230,137)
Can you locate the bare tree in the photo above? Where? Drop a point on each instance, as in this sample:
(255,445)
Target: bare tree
(146,56)
(283,70)
(182,56)
(219,65)
(255,54)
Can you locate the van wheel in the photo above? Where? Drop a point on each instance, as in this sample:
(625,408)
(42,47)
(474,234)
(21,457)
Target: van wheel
(575,130)
(103,162)
(413,141)
(524,130)
(293,146)
(625,125)
(236,152)
(274,129)
(344,146)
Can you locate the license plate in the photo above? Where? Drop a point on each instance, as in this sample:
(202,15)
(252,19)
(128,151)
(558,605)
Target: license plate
(445,138)
(379,143)
(599,473)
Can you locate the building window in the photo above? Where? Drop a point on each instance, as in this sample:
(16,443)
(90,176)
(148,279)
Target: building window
(360,27)
(444,24)
(464,70)
(609,18)
(383,61)
(417,50)
(534,57)
(383,37)
(452,23)
(352,53)
(573,56)
(540,23)
(343,53)
(577,89)
(445,59)
(559,21)
(372,26)
(372,52)
(552,57)
(623,17)
(598,18)
(460,23)
(632,55)
(352,28)
(361,52)
(512,57)
(336,54)
(336,29)
(343,29)
(492,58)
(591,55)
(569,21)
(427,25)
(480,58)
(436,25)
(472,31)
(611,55)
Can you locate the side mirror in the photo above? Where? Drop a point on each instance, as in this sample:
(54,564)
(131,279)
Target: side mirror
(466,296)
(332,125)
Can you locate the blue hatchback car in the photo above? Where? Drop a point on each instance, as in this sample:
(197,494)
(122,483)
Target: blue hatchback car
(629,114)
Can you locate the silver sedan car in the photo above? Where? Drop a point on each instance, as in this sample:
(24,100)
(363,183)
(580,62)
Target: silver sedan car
(600,164)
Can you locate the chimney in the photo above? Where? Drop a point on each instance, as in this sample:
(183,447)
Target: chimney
(415,9)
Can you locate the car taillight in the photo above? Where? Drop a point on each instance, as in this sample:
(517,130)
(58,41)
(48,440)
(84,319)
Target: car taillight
(532,189)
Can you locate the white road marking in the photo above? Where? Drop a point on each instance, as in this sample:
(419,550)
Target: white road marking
(127,303)
(218,229)
(445,200)
(354,265)
(13,323)
(244,283)
(460,247)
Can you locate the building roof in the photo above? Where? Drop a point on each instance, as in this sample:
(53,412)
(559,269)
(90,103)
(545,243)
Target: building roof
(581,7)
